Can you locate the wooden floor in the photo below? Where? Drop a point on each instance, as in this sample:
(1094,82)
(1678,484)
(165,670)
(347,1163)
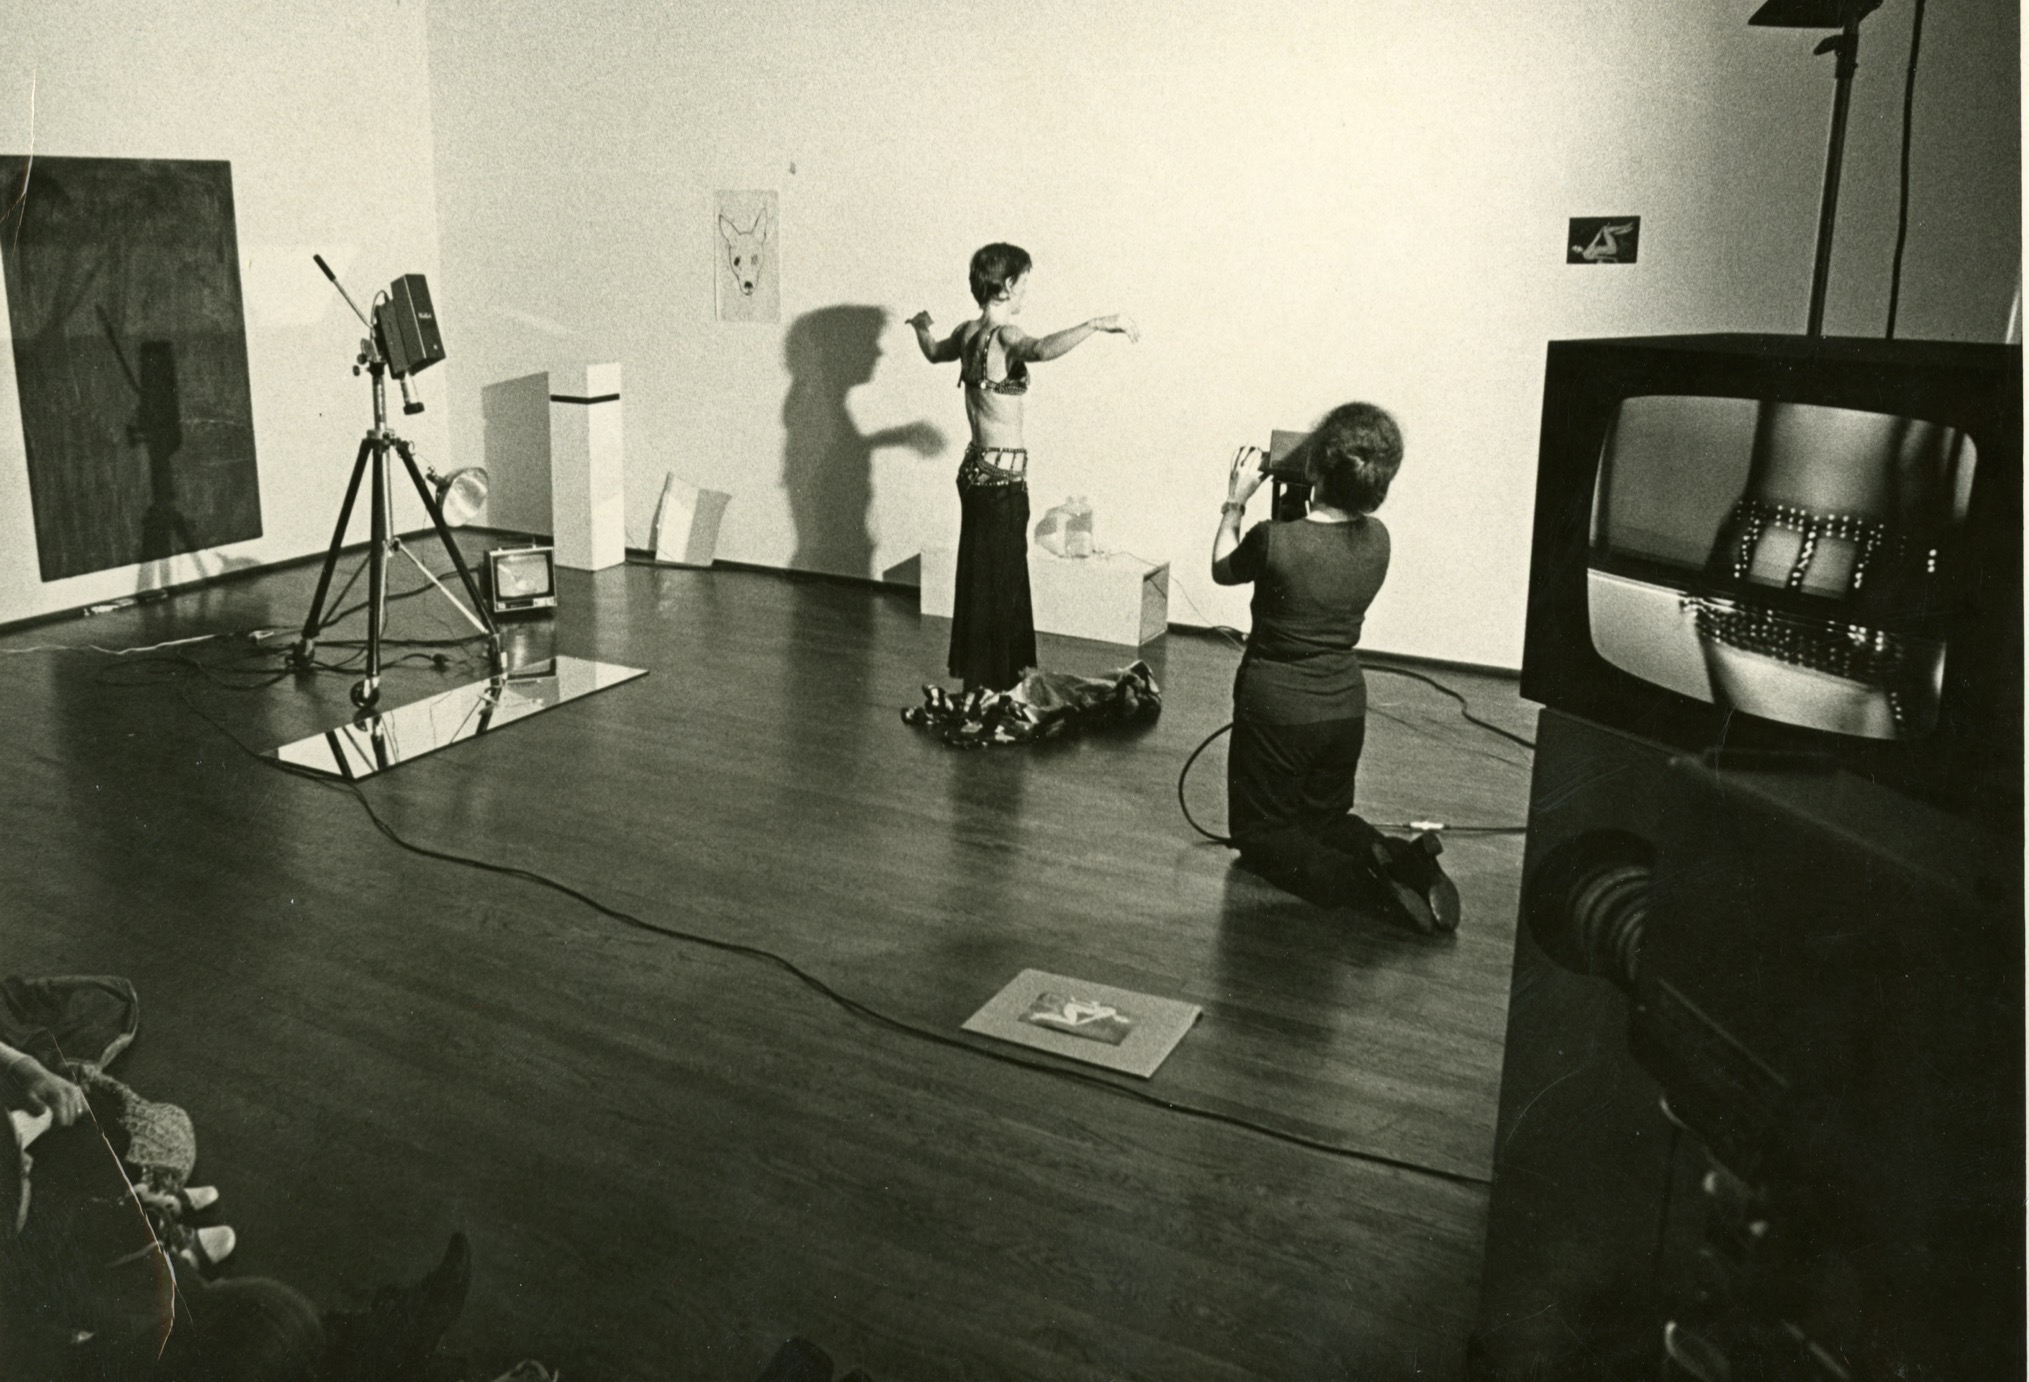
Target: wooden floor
(669,1159)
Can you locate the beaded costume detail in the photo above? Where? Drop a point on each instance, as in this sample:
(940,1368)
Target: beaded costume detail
(972,369)
(993,465)
(1836,644)
(1752,518)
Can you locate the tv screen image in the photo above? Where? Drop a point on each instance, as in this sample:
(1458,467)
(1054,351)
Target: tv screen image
(522,578)
(1790,546)
(1781,558)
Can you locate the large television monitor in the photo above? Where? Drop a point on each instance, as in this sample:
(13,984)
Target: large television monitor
(1788,545)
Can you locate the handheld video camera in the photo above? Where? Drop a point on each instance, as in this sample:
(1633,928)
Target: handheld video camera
(1287,465)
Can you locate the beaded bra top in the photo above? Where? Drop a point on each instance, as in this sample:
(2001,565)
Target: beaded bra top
(973,368)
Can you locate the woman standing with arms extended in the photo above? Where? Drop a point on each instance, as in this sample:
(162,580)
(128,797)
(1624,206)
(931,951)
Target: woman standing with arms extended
(993,632)
(1300,698)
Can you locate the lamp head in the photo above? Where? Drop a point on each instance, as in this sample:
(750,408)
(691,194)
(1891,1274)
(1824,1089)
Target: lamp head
(461,495)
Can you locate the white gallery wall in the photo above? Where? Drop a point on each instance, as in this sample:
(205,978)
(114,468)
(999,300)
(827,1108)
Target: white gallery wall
(1301,202)
(323,112)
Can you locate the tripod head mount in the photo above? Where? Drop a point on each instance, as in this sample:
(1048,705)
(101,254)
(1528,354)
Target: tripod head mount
(401,334)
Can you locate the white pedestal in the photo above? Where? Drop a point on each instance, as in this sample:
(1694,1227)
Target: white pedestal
(1112,598)
(588,514)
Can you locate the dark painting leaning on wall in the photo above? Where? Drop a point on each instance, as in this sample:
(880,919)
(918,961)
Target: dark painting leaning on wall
(123,294)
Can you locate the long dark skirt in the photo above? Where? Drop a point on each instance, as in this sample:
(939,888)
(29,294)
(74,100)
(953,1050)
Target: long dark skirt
(993,624)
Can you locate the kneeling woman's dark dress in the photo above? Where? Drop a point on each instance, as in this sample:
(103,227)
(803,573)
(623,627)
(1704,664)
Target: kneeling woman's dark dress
(1300,706)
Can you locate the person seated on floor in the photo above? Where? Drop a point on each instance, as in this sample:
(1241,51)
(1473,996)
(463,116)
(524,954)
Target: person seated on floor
(159,1146)
(1299,697)
(90,1291)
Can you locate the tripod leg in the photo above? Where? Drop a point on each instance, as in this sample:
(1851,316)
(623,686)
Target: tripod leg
(306,646)
(436,512)
(367,690)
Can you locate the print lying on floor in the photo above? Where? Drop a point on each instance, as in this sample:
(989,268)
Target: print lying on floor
(130,353)
(1080,1017)
(1085,1021)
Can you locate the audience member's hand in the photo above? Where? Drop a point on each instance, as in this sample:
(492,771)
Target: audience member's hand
(43,1090)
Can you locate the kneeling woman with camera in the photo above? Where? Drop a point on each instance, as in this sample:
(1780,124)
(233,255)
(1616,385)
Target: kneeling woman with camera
(1299,699)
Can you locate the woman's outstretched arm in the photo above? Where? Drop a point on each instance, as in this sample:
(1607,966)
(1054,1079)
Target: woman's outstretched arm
(1022,346)
(935,351)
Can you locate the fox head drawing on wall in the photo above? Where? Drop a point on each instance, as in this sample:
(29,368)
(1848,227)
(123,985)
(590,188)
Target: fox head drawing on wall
(743,249)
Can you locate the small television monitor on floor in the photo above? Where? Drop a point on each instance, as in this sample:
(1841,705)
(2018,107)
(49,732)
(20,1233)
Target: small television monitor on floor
(1801,545)
(520,580)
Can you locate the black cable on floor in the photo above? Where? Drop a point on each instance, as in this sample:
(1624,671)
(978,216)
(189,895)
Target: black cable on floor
(1464,705)
(1234,637)
(1445,827)
(850,1005)
(1185,806)
(1367,662)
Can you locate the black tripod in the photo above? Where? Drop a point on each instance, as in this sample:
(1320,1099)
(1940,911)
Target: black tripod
(374,450)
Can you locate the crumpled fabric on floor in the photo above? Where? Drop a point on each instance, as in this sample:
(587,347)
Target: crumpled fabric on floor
(75,1019)
(1043,705)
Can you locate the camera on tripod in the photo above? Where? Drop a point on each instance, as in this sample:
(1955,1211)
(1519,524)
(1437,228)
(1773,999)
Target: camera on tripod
(403,340)
(405,331)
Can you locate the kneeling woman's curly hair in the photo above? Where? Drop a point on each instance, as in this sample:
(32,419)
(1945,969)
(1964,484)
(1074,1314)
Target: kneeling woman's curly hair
(1354,454)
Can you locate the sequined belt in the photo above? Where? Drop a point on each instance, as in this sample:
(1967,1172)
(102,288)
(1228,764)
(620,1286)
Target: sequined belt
(1874,540)
(993,465)
(1889,662)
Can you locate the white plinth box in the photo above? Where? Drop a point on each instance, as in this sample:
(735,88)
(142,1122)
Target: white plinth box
(588,514)
(1112,598)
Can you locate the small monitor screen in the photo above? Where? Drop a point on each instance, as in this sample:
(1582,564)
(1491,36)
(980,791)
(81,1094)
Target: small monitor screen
(524,575)
(1783,559)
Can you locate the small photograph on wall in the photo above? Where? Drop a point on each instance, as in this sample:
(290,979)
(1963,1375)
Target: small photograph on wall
(1603,240)
(130,353)
(746,231)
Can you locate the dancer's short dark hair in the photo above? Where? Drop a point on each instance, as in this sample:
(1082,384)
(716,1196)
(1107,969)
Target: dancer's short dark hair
(1355,453)
(994,267)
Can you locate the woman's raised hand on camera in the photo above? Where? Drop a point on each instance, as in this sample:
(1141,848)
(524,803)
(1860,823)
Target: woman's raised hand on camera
(1245,478)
